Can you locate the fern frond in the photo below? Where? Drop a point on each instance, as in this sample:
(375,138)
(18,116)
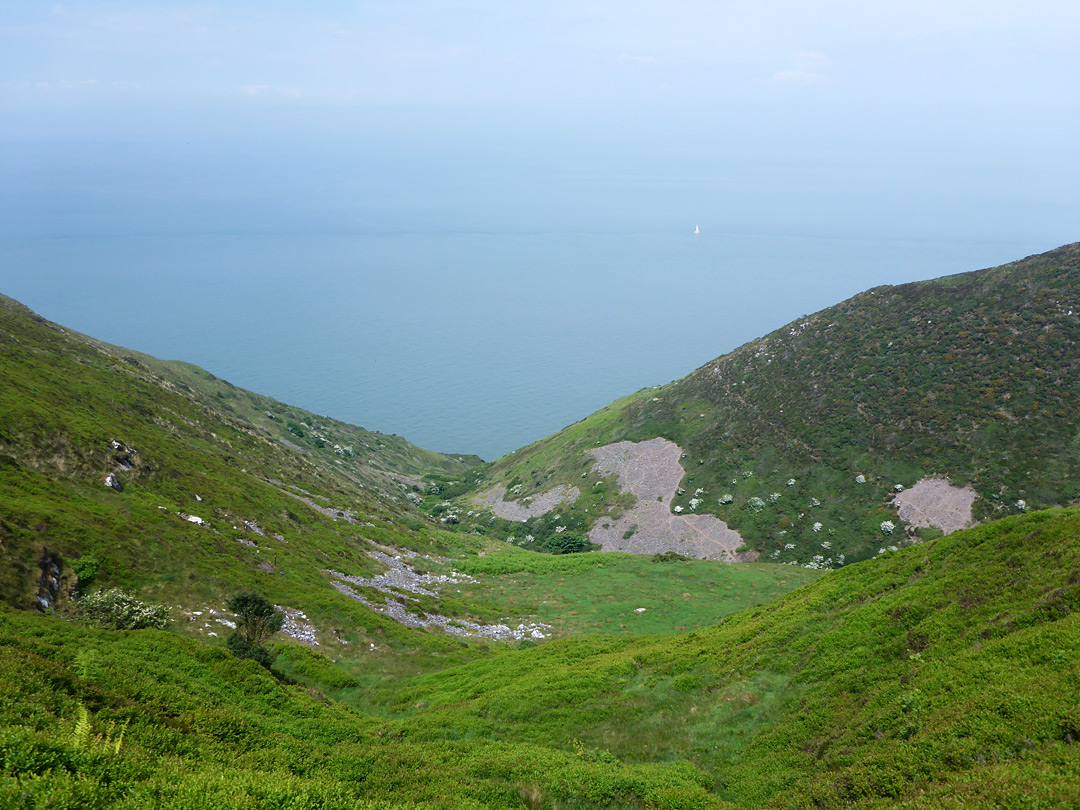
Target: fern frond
(119,741)
(80,737)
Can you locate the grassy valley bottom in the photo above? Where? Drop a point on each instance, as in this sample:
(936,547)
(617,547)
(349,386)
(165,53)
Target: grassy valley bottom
(943,675)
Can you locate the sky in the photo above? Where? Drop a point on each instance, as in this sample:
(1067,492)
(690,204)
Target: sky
(873,142)
(892,116)
(913,75)
(414,95)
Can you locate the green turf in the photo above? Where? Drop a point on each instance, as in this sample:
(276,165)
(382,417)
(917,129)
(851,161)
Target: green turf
(584,594)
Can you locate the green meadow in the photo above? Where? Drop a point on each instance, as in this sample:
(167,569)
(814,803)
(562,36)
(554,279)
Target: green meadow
(943,675)
(592,593)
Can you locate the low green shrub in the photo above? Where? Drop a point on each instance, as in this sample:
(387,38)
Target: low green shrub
(86,569)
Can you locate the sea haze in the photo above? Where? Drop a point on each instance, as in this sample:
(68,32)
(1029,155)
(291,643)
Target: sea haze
(473,302)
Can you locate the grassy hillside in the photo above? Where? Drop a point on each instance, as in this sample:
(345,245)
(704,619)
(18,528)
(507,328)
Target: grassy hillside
(938,676)
(271,514)
(941,675)
(971,377)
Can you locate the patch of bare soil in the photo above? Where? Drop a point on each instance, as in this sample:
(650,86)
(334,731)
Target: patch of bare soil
(934,502)
(651,472)
(528,507)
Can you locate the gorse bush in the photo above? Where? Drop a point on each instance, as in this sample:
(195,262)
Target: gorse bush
(116,610)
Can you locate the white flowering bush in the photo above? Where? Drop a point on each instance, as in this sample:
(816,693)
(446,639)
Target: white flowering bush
(860,479)
(726,498)
(789,546)
(678,509)
(115,609)
(413,498)
(898,488)
(816,527)
(1022,505)
(819,563)
(756,504)
(887,527)
(791,482)
(774,497)
(814,502)
(694,503)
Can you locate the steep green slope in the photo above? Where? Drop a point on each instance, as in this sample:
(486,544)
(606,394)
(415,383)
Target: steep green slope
(149,719)
(941,675)
(938,676)
(204,503)
(375,459)
(973,377)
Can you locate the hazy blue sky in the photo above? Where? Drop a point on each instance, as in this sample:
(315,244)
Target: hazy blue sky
(914,74)
(915,117)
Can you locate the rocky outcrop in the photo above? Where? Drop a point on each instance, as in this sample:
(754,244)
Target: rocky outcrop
(651,471)
(528,507)
(934,502)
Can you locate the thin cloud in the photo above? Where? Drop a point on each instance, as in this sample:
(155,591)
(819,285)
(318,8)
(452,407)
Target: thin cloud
(806,68)
(257,90)
(63,86)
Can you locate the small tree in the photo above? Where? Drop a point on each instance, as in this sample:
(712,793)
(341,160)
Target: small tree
(257,621)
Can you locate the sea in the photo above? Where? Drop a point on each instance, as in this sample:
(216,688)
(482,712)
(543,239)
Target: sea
(466,317)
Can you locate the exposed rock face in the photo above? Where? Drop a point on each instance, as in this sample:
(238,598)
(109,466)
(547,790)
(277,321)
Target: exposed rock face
(48,582)
(934,502)
(527,507)
(123,455)
(651,472)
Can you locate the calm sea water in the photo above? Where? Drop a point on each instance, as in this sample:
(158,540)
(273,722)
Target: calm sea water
(460,341)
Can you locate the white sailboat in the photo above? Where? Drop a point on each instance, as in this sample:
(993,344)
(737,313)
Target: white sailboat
(697,229)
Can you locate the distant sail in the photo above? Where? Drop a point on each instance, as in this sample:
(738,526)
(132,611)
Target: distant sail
(697,229)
